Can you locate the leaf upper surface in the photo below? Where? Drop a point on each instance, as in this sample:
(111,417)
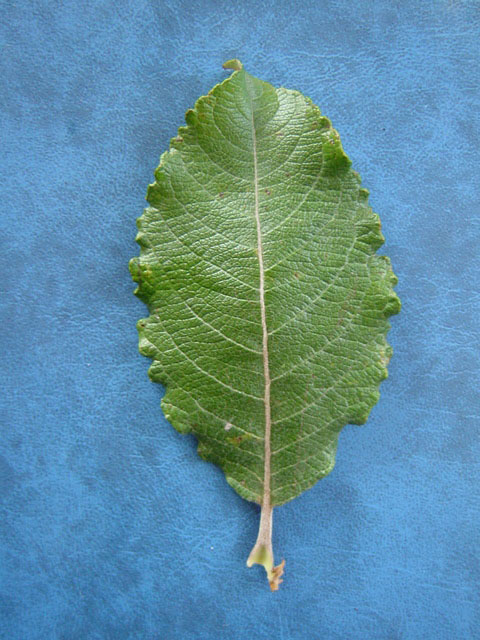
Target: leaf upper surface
(256,206)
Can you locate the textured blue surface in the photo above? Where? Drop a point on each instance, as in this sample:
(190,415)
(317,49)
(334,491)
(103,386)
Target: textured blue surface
(111,526)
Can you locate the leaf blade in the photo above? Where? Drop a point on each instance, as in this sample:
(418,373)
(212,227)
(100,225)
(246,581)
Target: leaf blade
(268,303)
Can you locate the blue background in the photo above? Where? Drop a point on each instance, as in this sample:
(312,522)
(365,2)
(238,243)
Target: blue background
(111,526)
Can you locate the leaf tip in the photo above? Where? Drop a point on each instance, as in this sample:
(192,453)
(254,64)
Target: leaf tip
(233,64)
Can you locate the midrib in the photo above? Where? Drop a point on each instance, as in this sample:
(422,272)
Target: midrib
(262,552)
(266,502)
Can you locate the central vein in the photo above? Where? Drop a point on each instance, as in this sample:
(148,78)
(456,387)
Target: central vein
(266,369)
(262,552)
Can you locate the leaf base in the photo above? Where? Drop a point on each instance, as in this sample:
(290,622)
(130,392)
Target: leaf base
(262,554)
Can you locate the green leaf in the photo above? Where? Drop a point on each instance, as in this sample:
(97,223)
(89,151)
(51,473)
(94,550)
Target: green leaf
(268,305)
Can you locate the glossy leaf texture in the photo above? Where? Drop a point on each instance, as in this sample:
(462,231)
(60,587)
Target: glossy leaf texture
(255,206)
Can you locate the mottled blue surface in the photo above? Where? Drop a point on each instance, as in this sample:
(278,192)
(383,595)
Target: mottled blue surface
(111,526)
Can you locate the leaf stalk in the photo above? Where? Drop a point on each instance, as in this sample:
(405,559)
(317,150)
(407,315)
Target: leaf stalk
(262,552)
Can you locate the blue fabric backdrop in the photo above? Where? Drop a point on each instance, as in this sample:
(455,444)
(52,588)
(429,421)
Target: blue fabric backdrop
(111,526)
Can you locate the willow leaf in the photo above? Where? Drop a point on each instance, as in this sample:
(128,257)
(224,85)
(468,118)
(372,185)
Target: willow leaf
(268,304)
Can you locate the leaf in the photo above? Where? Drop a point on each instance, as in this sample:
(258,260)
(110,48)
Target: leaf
(268,305)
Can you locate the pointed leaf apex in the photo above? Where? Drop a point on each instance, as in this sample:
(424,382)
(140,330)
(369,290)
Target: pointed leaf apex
(234,64)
